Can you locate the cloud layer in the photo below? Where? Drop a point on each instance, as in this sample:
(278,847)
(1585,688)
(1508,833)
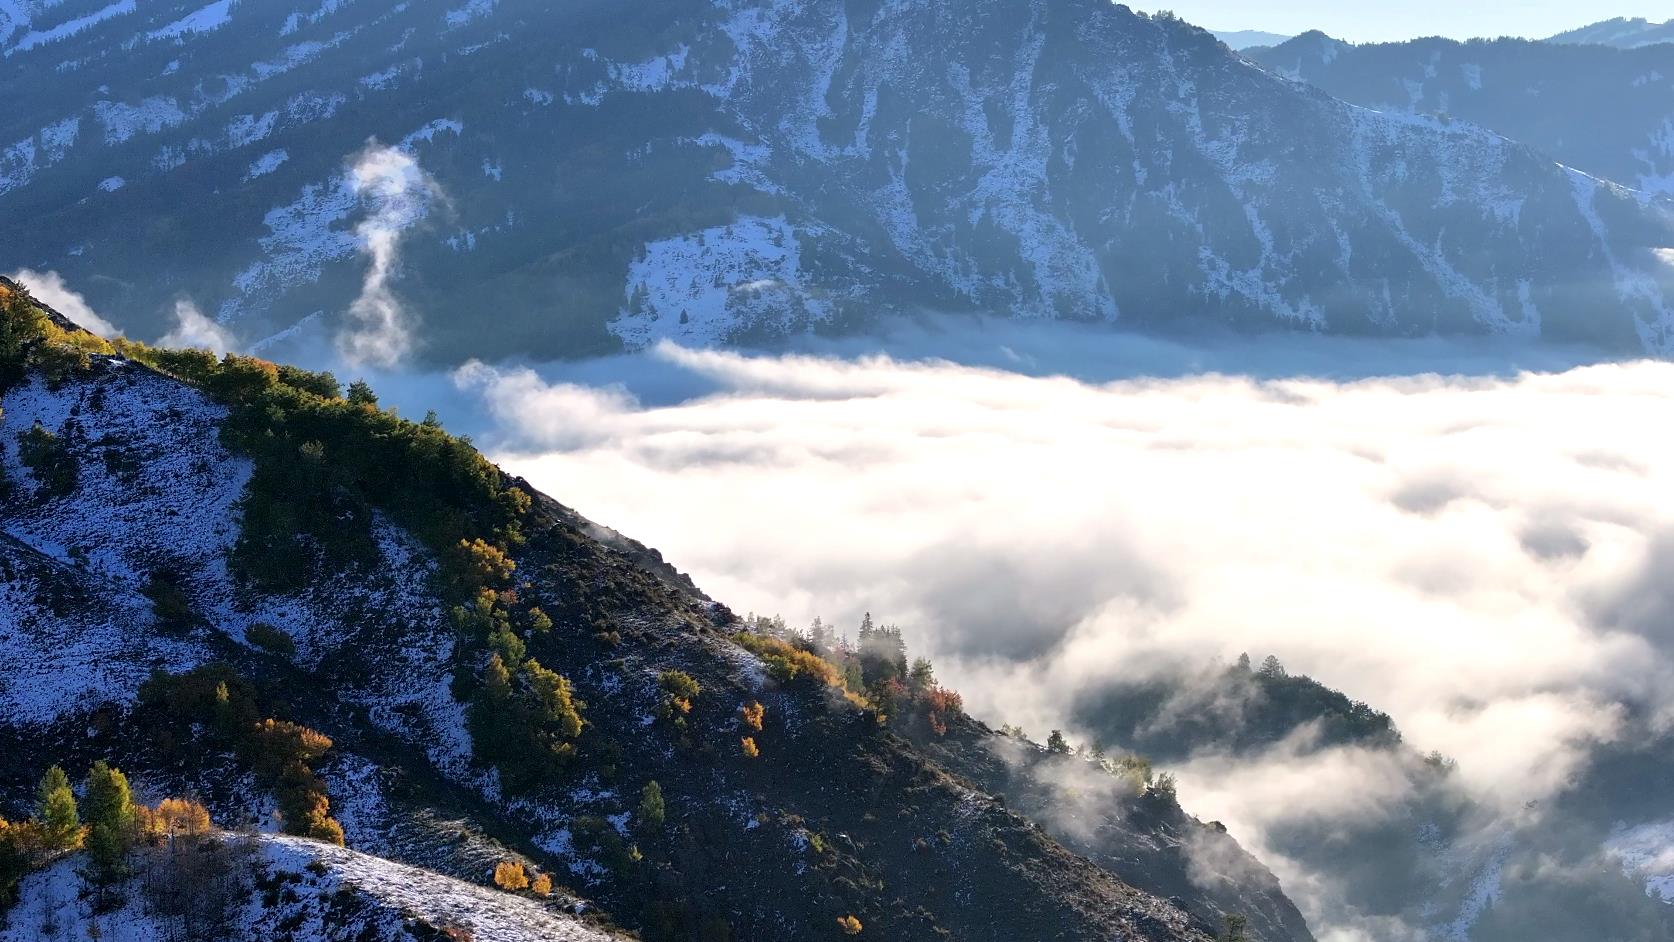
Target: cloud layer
(1484,558)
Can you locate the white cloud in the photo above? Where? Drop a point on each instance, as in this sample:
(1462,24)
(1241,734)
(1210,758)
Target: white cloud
(192,328)
(1484,558)
(396,193)
(49,288)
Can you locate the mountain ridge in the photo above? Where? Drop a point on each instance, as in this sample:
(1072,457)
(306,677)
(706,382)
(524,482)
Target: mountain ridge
(755,840)
(737,171)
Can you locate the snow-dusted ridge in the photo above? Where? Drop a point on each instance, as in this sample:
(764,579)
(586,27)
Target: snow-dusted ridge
(331,894)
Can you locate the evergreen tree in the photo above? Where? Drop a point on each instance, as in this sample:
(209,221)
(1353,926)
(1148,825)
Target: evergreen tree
(652,811)
(110,818)
(1056,743)
(922,675)
(55,809)
(361,394)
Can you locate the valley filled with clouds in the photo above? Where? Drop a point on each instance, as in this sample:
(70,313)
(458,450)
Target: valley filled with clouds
(1485,556)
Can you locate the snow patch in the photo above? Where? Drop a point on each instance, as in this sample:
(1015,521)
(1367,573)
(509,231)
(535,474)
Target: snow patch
(35,38)
(267,163)
(700,288)
(205,20)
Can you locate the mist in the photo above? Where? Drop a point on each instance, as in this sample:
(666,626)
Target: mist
(1483,555)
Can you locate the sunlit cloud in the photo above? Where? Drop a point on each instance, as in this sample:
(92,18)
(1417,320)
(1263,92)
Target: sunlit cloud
(396,193)
(49,288)
(193,328)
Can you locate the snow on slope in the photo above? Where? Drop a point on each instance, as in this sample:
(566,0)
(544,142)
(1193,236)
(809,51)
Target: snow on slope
(68,28)
(332,894)
(156,491)
(175,510)
(205,20)
(701,288)
(1648,851)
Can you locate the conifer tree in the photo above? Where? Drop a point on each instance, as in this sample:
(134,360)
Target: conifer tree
(55,809)
(110,818)
(651,808)
(361,394)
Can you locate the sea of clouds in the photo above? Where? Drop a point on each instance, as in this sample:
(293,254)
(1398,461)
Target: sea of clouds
(1472,537)
(1488,555)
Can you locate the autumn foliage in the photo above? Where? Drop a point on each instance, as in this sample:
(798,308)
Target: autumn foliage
(509,875)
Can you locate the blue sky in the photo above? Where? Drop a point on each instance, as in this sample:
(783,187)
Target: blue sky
(1362,21)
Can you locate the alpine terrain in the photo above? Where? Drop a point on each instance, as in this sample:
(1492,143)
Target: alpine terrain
(1542,94)
(739,170)
(232,587)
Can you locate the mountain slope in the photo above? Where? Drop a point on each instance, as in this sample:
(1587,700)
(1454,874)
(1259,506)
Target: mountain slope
(733,170)
(1621,32)
(1542,94)
(272,886)
(136,568)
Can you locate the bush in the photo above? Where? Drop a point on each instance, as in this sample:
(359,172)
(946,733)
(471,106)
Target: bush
(680,689)
(652,811)
(786,662)
(49,459)
(526,720)
(509,875)
(269,638)
(23,847)
(280,752)
(751,714)
(170,604)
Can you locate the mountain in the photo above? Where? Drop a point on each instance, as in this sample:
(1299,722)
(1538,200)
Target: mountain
(1241,39)
(1434,860)
(1544,95)
(1620,32)
(236,583)
(552,180)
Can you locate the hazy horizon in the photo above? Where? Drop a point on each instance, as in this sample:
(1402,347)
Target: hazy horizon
(1361,23)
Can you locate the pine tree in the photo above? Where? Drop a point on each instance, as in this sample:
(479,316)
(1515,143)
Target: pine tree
(361,394)
(110,818)
(923,674)
(1056,742)
(55,809)
(652,811)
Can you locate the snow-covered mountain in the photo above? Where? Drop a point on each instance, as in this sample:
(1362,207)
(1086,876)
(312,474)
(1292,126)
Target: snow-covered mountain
(1607,112)
(1621,32)
(564,180)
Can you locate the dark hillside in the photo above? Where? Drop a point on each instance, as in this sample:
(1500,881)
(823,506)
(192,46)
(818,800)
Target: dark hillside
(232,558)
